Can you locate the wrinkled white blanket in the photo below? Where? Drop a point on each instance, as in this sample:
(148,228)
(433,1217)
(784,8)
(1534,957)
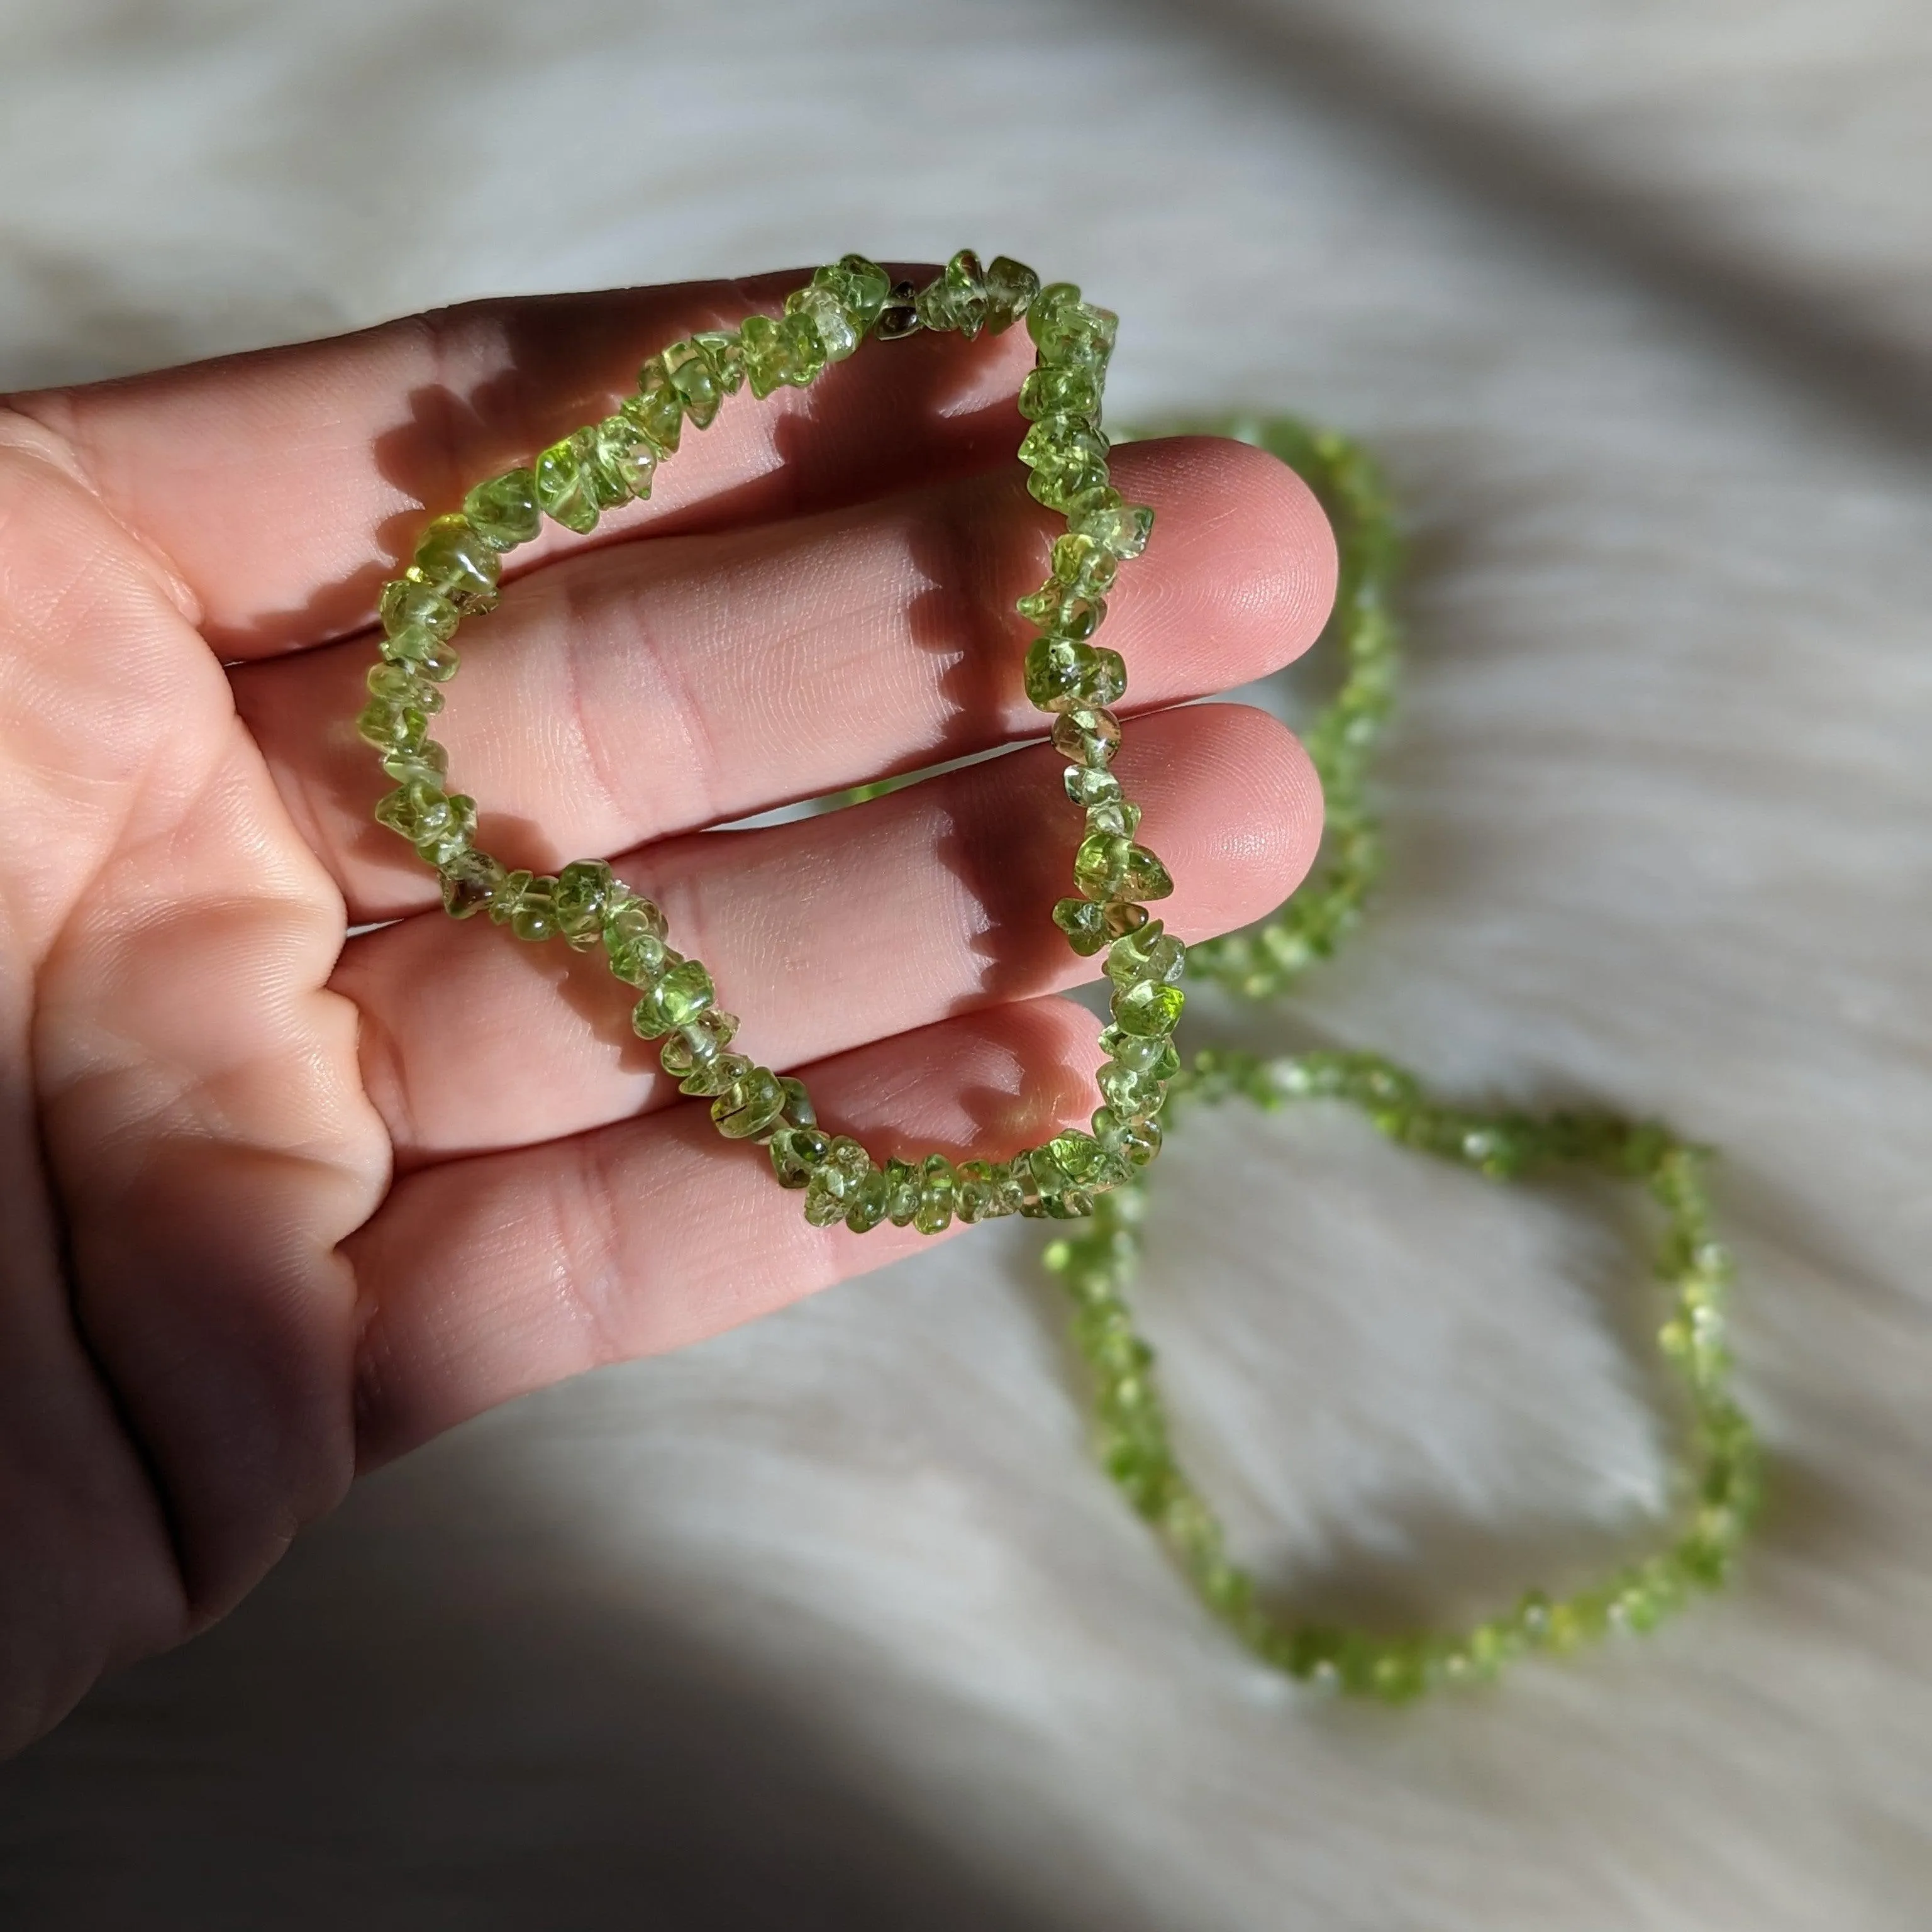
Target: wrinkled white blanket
(831,1624)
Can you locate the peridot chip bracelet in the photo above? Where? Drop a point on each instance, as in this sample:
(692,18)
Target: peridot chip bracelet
(455,572)
(1097,1176)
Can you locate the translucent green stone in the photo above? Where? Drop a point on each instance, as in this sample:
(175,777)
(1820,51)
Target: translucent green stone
(956,299)
(1062,613)
(1148,1008)
(1061,676)
(1084,923)
(445,841)
(1131,1095)
(1151,953)
(1119,816)
(390,727)
(1066,330)
(1085,1163)
(902,1185)
(835,1182)
(985,1191)
(1064,485)
(428,761)
(656,408)
(1059,440)
(691,1049)
(725,353)
(534,915)
(693,381)
(675,1000)
(470,881)
(805,353)
(936,1184)
(398,684)
(583,889)
(798,1110)
(797,1152)
(1010,287)
(1086,787)
(1086,568)
(405,605)
(1088,735)
(1121,529)
(451,558)
(863,287)
(621,461)
(503,510)
(422,653)
(1109,865)
(750,1107)
(1051,392)
(715,1072)
(765,358)
(1143,1053)
(634,941)
(414,810)
(839,334)
(566,494)
(868,1203)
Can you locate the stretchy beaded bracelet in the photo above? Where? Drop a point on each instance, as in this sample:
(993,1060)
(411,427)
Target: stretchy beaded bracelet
(455,572)
(1720,1489)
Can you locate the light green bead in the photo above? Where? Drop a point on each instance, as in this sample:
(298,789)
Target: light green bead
(452,559)
(565,491)
(692,1049)
(985,1191)
(1010,287)
(902,1186)
(839,334)
(583,888)
(1060,676)
(1052,392)
(1122,530)
(751,1106)
(674,1000)
(656,409)
(725,353)
(1084,923)
(1132,1095)
(533,916)
(797,1152)
(503,511)
(868,1199)
(390,726)
(1066,330)
(956,299)
(693,381)
(1062,613)
(1086,787)
(399,684)
(1151,953)
(470,881)
(936,1183)
(444,842)
(1088,735)
(863,287)
(1148,1008)
(415,810)
(1119,816)
(428,762)
(1086,568)
(1142,1053)
(1085,1163)
(1108,865)
(406,605)
(622,460)
(634,941)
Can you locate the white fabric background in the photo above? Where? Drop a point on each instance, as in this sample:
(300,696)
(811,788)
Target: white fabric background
(831,1624)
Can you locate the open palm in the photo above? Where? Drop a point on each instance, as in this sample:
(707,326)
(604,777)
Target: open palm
(280,1202)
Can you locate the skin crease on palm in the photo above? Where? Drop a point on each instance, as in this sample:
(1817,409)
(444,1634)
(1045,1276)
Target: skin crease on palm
(280,1203)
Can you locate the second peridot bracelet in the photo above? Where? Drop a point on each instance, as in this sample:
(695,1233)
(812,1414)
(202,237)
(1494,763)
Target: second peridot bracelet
(455,571)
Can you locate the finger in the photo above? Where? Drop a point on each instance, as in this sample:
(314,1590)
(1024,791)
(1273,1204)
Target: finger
(654,687)
(284,486)
(482,1278)
(824,933)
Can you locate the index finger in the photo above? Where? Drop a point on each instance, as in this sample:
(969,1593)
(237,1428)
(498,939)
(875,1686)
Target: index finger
(284,486)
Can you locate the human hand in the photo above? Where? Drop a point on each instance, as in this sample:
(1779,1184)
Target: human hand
(281,1203)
